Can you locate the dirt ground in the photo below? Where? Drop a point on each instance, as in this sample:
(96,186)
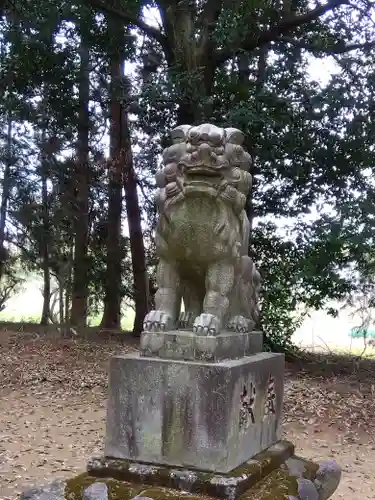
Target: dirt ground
(53,399)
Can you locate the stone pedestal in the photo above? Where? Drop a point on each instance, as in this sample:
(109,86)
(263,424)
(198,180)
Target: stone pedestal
(206,416)
(185,345)
(230,485)
(192,416)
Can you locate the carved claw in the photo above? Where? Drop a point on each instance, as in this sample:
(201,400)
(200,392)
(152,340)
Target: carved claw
(239,324)
(158,321)
(207,324)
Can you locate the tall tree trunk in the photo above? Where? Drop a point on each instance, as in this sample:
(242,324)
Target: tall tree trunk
(190,55)
(45,237)
(5,197)
(259,86)
(112,299)
(67,280)
(133,212)
(61,302)
(82,178)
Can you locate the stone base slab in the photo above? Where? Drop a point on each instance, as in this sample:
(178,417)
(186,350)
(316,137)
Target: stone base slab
(199,415)
(295,479)
(188,346)
(230,485)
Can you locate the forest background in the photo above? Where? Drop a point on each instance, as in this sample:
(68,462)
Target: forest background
(81,216)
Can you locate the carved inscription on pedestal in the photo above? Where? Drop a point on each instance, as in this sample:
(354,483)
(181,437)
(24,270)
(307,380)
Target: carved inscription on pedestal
(247,403)
(270,402)
(247,399)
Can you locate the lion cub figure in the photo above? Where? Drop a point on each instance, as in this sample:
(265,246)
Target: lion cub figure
(202,235)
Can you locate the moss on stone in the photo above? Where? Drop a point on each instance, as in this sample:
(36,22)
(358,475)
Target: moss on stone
(121,490)
(117,490)
(271,475)
(276,486)
(205,476)
(264,463)
(161,477)
(167,494)
(251,468)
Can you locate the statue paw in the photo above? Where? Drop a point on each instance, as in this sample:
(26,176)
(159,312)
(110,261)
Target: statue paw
(207,324)
(158,321)
(186,320)
(239,324)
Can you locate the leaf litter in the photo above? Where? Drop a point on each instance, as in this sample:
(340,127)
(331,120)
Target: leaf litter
(53,395)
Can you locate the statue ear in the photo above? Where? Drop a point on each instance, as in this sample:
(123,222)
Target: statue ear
(234,136)
(179,134)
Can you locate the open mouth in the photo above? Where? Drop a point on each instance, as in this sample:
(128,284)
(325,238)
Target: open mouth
(204,171)
(203,177)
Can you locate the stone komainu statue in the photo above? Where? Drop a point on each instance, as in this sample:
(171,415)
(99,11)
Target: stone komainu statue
(202,235)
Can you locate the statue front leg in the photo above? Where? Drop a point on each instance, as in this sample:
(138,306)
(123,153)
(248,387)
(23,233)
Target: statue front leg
(167,299)
(193,301)
(219,284)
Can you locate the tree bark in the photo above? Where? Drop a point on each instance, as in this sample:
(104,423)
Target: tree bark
(5,197)
(112,299)
(61,303)
(121,168)
(137,248)
(67,280)
(82,180)
(45,237)
(190,55)
(259,86)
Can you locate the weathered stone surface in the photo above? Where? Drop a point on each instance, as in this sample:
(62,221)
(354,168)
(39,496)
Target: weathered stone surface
(327,478)
(194,414)
(52,491)
(300,467)
(307,490)
(202,236)
(186,345)
(229,485)
(161,493)
(96,491)
(268,476)
(117,490)
(276,486)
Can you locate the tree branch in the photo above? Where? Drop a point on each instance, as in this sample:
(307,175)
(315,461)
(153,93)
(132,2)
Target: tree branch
(338,48)
(274,32)
(151,31)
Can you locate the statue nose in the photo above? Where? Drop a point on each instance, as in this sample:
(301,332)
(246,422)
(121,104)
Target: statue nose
(204,151)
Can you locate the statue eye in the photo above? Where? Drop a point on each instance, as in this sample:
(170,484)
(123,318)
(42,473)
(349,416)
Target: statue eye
(215,138)
(193,134)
